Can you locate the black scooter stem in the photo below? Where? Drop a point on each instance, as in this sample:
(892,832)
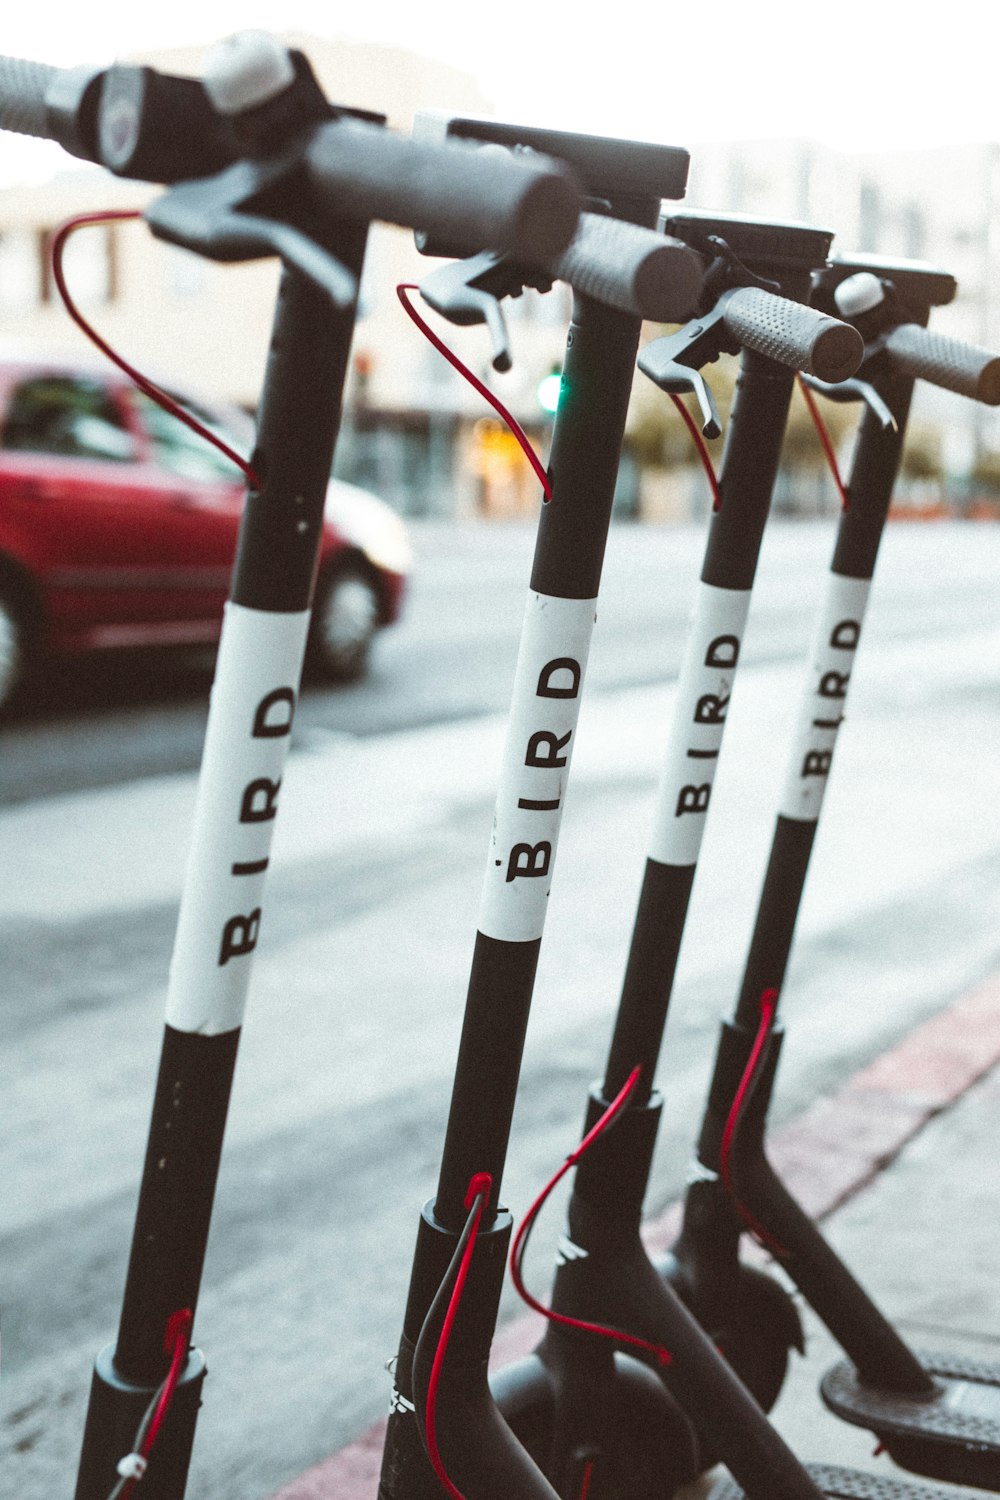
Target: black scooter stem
(254,695)
(787,255)
(479,1452)
(555,640)
(705,685)
(936,1415)
(481,1455)
(270,113)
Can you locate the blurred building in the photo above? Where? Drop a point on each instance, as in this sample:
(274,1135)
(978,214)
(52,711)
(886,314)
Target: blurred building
(940,205)
(413,428)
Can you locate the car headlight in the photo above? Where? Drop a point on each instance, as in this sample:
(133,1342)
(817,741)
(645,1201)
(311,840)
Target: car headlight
(371,525)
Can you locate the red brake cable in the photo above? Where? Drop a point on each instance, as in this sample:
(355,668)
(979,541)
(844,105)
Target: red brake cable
(477,384)
(476,1199)
(133,1466)
(824,437)
(700,445)
(744,1093)
(145,385)
(663,1356)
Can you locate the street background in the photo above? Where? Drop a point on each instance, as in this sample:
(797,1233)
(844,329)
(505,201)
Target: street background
(342,1084)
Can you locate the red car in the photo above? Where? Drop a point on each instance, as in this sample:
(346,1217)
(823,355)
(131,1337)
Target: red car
(118,527)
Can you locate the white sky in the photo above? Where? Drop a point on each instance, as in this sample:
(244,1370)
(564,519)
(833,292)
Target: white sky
(883,76)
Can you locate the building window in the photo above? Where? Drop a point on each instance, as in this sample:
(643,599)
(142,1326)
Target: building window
(19,288)
(90,265)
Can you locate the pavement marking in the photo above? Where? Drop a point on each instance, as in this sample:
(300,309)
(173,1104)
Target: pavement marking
(826,1156)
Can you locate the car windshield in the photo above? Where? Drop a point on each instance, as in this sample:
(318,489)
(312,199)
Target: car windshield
(183,451)
(67,416)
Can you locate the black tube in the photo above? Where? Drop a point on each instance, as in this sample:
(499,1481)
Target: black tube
(630,1295)
(175,1204)
(568,560)
(272,580)
(115,1412)
(777,913)
(866,1336)
(873,475)
(869,1339)
(486,1073)
(297,428)
(749,468)
(566,573)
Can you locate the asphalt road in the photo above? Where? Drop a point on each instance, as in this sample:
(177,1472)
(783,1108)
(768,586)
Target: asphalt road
(343,1080)
(115,719)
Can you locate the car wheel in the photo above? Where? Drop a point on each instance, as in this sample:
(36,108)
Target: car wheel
(345,618)
(14,642)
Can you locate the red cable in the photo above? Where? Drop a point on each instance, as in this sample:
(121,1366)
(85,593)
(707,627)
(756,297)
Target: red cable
(768,1005)
(176,1344)
(588,1474)
(476,1198)
(663,1356)
(484,391)
(824,438)
(154,392)
(703,453)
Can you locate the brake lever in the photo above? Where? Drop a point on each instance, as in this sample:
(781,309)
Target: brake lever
(856,390)
(220,218)
(674,362)
(470,291)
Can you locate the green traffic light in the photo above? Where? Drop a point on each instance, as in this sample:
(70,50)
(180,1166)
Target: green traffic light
(549,388)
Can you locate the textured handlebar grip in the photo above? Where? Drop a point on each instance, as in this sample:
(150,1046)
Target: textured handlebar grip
(963,368)
(23,87)
(632,268)
(793,334)
(528,205)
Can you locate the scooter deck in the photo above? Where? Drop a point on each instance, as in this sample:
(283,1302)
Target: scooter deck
(952,1434)
(849,1484)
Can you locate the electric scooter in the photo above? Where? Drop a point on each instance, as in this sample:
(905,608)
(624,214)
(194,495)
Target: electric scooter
(261,164)
(445,1433)
(933,1413)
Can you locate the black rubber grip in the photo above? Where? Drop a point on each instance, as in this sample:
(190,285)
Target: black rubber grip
(23,87)
(633,269)
(793,334)
(963,368)
(528,205)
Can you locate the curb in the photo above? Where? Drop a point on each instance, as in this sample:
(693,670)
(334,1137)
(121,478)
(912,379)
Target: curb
(826,1156)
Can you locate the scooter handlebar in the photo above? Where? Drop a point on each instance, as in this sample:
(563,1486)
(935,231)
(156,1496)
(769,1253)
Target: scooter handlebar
(527,205)
(956,366)
(631,268)
(24,86)
(793,334)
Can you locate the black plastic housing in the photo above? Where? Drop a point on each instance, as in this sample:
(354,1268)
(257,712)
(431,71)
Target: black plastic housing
(767,248)
(918,285)
(607,166)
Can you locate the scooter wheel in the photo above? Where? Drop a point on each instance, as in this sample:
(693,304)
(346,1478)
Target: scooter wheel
(757,1340)
(750,1318)
(624,1441)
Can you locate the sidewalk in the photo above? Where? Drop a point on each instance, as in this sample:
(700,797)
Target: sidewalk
(901,1164)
